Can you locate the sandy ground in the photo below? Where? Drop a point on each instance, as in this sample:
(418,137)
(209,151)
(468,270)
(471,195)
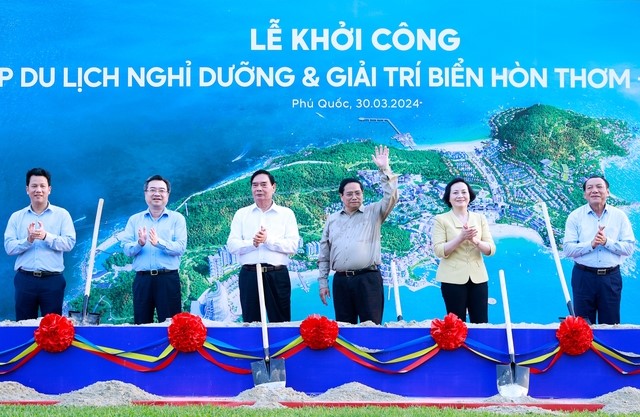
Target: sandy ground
(110,393)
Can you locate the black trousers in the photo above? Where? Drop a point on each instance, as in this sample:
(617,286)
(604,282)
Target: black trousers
(597,297)
(32,293)
(460,298)
(358,297)
(277,295)
(156,292)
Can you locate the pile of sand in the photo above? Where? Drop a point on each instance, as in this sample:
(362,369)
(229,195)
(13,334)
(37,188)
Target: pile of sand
(110,393)
(106,393)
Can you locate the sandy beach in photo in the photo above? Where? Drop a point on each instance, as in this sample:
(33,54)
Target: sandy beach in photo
(510,230)
(467,146)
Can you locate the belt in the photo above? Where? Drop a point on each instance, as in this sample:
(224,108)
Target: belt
(39,274)
(354,272)
(598,271)
(155,272)
(265,267)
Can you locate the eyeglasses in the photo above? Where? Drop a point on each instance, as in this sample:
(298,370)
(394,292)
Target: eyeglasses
(156,190)
(350,194)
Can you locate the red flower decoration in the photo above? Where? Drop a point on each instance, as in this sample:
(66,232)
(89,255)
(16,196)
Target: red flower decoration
(449,333)
(318,332)
(575,336)
(187,332)
(55,333)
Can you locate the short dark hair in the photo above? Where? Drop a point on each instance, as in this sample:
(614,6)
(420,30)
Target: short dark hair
(447,191)
(272,179)
(584,184)
(38,172)
(346,181)
(157,178)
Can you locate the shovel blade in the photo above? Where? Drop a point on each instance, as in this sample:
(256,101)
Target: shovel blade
(270,372)
(92,318)
(505,375)
(513,380)
(78,319)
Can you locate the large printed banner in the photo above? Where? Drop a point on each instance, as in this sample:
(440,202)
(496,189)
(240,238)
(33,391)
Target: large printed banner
(523,100)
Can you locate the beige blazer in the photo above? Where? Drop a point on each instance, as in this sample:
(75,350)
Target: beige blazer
(466,260)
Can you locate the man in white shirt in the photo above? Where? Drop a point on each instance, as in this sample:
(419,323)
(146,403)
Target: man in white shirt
(264,233)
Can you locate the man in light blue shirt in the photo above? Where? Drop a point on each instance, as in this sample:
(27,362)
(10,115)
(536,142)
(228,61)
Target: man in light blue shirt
(39,234)
(598,237)
(156,238)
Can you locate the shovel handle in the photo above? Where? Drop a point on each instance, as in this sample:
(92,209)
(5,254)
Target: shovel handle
(396,290)
(92,255)
(85,304)
(556,257)
(507,315)
(263,312)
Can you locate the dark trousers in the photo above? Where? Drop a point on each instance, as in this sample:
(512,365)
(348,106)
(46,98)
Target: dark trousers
(597,297)
(45,293)
(277,295)
(160,292)
(360,296)
(471,297)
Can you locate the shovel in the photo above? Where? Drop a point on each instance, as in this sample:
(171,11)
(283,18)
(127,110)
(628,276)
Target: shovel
(556,257)
(268,371)
(513,380)
(84,317)
(396,290)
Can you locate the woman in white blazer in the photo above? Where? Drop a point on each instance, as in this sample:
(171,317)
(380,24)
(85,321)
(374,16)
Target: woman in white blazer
(460,238)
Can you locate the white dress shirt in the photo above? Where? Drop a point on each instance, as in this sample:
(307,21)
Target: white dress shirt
(282,235)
